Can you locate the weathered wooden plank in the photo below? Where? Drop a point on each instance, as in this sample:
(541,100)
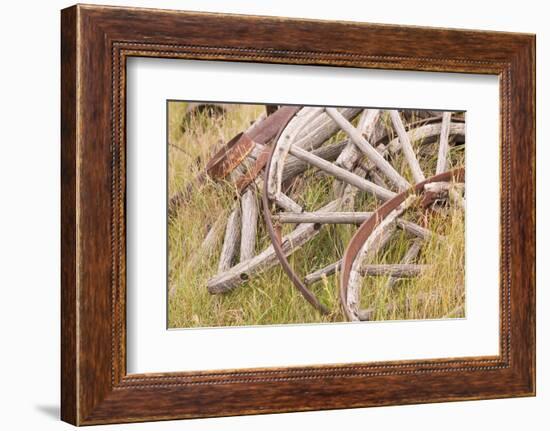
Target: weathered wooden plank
(294,166)
(238,274)
(423,133)
(348,217)
(368,123)
(335,217)
(408,259)
(397,271)
(442,161)
(342,174)
(231,240)
(286,203)
(385,167)
(249,224)
(406,146)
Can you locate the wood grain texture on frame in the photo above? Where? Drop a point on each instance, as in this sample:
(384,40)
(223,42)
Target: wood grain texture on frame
(96,41)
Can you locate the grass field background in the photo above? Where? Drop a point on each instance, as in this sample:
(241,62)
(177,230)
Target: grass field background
(270,298)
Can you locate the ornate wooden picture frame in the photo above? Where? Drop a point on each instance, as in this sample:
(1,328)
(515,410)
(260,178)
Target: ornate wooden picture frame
(96,41)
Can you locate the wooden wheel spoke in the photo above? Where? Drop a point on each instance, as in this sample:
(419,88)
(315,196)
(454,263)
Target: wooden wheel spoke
(286,203)
(249,224)
(424,133)
(231,240)
(342,174)
(406,147)
(335,217)
(294,166)
(243,271)
(348,217)
(394,271)
(379,161)
(442,161)
(408,259)
(368,125)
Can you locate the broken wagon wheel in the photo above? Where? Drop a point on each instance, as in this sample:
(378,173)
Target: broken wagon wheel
(315,132)
(246,148)
(291,144)
(360,247)
(297,136)
(312,129)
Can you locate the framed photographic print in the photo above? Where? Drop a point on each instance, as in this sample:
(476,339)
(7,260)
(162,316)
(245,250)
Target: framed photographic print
(259,217)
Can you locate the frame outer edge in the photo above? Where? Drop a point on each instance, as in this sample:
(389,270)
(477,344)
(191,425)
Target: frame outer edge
(526,61)
(532,82)
(522,178)
(69,202)
(533,56)
(88,397)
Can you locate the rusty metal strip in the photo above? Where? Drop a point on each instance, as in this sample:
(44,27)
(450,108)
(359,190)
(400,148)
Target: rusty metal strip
(234,152)
(364,231)
(223,160)
(269,127)
(247,178)
(275,235)
(229,156)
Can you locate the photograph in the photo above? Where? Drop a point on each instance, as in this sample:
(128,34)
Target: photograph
(295,214)
(329,210)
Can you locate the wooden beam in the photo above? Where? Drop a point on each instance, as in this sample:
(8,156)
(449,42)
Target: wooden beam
(342,174)
(379,161)
(238,274)
(406,146)
(398,270)
(249,224)
(442,161)
(347,217)
(408,259)
(231,240)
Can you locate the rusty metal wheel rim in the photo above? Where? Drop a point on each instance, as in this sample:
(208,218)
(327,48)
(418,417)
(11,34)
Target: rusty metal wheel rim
(366,229)
(275,231)
(275,236)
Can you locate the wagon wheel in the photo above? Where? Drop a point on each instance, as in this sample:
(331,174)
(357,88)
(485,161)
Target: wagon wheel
(366,152)
(360,249)
(237,263)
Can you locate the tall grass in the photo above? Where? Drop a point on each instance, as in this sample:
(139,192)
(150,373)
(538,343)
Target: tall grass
(270,297)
